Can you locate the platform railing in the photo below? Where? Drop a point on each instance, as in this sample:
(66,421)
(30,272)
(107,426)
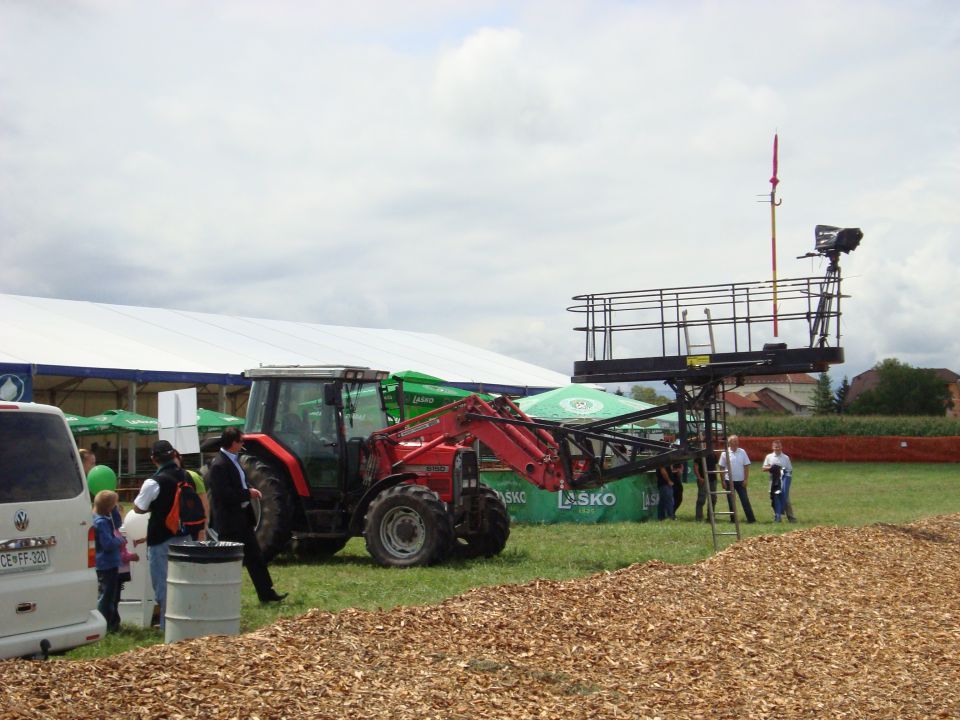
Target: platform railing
(736,312)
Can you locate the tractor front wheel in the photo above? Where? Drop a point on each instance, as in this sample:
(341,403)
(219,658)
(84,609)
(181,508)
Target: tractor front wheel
(406,526)
(486,525)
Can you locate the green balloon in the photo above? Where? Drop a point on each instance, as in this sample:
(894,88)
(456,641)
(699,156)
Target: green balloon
(101,477)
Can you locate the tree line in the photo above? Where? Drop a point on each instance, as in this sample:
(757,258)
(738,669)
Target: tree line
(901,389)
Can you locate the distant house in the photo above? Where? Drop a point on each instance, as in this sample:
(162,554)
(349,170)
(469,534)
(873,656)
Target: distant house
(787,393)
(868,381)
(737,404)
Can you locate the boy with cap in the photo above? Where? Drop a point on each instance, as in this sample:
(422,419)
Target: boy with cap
(156,497)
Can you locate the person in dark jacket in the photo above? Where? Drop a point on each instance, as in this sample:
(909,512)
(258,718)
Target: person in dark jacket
(156,497)
(231,514)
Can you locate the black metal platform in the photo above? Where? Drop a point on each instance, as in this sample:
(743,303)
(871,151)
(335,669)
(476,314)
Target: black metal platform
(704,368)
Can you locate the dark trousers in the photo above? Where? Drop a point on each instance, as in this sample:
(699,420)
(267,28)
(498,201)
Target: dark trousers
(702,495)
(665,505)
(253,561)
(744,501)
(107,584)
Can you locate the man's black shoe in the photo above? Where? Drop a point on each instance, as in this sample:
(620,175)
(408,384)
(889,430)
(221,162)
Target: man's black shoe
(274,597)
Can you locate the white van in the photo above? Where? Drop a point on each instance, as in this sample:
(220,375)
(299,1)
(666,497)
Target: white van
(48,583)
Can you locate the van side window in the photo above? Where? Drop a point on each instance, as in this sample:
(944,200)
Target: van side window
(37,459)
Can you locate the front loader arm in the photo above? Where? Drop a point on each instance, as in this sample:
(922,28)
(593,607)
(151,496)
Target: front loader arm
(551,456)
(516,440)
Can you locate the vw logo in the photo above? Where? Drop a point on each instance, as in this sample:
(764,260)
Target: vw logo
(21,520)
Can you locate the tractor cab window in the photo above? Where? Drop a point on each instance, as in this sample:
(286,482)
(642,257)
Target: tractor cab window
(308,427)
(300,410)
(363,411)
(256,407)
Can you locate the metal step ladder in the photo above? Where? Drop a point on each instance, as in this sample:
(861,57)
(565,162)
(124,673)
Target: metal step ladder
(720,520)
(714,415)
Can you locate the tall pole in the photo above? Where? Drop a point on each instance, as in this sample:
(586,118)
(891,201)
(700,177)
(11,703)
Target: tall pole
(774,181)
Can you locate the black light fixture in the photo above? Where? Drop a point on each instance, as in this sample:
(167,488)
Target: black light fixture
(831,240)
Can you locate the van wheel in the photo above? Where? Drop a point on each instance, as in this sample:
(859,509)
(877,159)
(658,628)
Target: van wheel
(274,511)
(406,526)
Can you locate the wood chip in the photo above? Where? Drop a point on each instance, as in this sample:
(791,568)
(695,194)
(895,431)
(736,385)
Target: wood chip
(828,622)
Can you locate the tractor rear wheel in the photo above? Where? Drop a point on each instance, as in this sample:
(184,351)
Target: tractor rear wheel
(406,526)
(274,511)
(489,536)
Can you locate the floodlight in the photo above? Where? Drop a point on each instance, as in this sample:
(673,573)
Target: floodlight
(833,240)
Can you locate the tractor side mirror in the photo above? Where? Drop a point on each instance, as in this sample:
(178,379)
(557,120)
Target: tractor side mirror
(332,395)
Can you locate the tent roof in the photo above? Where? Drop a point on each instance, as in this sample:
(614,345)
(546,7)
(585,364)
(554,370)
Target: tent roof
(98,340)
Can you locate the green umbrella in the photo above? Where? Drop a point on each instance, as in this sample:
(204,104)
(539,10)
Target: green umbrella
(80,425)
(125,421)
(208,420)
(579,402)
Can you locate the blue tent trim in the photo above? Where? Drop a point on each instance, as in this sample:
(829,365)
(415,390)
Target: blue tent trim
(146,376)
(140,376)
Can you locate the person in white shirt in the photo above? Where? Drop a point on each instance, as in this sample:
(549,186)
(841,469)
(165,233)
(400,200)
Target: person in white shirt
(739,473)
(780,458)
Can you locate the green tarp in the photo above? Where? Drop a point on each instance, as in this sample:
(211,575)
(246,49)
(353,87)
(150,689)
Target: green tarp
(630,499)
(421,393)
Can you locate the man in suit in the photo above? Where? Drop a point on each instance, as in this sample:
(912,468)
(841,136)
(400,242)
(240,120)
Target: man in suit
(232,515)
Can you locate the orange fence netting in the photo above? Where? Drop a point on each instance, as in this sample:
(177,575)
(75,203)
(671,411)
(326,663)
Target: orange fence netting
(857,448)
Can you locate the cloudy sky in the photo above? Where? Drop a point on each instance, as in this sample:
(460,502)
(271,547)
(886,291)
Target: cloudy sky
(465,168)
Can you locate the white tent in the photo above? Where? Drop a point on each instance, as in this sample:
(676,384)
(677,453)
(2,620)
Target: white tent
(42,336)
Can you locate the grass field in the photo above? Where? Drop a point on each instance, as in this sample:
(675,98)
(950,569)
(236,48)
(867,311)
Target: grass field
(823,494)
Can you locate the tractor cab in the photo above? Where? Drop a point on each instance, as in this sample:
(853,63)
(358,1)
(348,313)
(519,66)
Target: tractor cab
(319,417)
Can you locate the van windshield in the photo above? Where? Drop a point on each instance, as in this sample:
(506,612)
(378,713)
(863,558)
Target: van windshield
(38,460)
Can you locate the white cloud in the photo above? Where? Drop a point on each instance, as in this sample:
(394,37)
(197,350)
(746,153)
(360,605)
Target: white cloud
(465,168)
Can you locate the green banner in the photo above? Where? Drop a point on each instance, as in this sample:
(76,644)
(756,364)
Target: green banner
(630,499)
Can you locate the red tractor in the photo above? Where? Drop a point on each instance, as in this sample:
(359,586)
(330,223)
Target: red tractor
(319,446)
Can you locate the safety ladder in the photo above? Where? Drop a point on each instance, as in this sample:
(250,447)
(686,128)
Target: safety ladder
(720,519)
(693,347)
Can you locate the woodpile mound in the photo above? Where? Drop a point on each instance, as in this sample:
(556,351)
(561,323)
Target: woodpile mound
(828,622)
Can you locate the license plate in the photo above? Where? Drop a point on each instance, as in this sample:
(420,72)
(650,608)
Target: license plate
(28,559)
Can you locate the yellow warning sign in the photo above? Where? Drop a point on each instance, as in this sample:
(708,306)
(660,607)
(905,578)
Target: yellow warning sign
(697,360)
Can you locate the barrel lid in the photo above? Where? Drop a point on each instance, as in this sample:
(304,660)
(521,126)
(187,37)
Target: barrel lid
(205,551)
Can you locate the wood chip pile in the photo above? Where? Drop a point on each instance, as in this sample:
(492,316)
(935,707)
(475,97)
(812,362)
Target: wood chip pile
(829,622)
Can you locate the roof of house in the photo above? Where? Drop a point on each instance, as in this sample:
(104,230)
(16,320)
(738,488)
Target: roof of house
(786,378)
(777,401)
(740,402)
